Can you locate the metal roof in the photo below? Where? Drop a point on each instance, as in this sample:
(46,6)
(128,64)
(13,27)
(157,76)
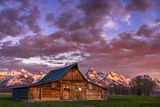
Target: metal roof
(55,75)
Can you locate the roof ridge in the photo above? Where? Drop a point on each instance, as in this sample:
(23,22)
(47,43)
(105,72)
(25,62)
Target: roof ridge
(64,67)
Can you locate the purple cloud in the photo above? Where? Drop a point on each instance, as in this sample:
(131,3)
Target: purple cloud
(139,5)
(77,31)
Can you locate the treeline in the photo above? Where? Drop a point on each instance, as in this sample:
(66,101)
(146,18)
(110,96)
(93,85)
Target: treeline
(140,85)
(5,90)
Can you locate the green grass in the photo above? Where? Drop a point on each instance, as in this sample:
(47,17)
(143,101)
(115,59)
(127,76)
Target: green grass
(113,101)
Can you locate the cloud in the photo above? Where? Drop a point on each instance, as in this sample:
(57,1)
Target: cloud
(8,22)
(50,18)
(78,36)
(84,22)
(126,18)
(110,24)
(138,5)
(130,52)
(15,21)
(144,30)
(95,11)
(12,63)
(36,46)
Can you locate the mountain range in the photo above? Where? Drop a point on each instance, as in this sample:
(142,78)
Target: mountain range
(19,78)
(23,77)
(103,79)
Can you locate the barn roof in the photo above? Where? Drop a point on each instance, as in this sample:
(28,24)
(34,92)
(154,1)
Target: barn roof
(56,74)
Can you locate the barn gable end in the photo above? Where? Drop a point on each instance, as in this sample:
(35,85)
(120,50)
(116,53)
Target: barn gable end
(73,75)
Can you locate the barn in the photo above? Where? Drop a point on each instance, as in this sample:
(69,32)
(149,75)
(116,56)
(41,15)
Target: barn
(66,83)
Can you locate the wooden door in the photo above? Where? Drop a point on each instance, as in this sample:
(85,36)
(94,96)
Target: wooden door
(36,93)
(78,93)
(81,93)
(103,94)
(66,92)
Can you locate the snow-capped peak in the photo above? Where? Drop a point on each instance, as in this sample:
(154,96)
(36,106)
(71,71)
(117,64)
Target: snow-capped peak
(113,73)
(102,78)
(118,78)
(157,81)
(92,70)
(91,73)
(23,71)
(14,73)
(20,77)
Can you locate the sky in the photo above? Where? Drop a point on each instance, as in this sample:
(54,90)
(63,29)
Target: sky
(109,35)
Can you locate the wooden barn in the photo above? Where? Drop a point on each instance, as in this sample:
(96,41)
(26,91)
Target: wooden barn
(66,83)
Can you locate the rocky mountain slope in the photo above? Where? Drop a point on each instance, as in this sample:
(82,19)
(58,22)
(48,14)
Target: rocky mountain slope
(17,78)
(103,79)
(158,84)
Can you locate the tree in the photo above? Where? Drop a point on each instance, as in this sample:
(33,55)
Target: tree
(142,85)
(118,89)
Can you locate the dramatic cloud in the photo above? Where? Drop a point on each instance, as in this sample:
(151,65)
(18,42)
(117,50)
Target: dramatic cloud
(139,5)
(84,21)
(8,64)
(76,32)
(130,51)
(17,20)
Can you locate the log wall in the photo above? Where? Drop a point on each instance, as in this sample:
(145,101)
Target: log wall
(46,91)
(20,94)
(94,92)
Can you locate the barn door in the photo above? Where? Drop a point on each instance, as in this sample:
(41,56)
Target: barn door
(78,93)
(81,93)
(36,93)
(66,92)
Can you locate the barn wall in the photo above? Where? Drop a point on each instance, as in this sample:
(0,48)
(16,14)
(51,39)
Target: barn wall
(73,90)
(51,91)
(94,92)
(46,91)
(20,94)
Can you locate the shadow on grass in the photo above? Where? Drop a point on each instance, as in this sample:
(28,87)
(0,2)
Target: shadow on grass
(8,99)
(157,97)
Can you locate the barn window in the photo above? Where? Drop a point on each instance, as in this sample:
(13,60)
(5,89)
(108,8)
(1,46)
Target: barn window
(76,89)
(80,89)
(66,88)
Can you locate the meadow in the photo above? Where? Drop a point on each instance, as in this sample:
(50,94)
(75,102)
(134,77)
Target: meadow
(113,101)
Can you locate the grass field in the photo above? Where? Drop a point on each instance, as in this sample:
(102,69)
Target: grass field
(113,101)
